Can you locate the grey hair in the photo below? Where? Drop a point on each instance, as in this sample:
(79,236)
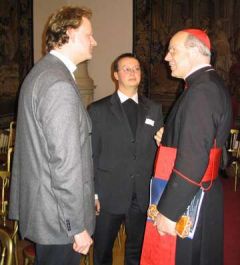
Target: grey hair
(192,41)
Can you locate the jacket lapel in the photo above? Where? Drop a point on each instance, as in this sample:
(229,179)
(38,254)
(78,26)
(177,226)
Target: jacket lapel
(116,107)
(143,114)
(143,109)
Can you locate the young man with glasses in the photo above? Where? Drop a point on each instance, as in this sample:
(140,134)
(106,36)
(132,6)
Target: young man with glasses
(124,125)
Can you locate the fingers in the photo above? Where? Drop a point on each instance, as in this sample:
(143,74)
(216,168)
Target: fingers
(82,242)
(161,233)
(164,225)
(172,233)
(157,140)
(158,136)
(82,249)
(164,233)
(97,207)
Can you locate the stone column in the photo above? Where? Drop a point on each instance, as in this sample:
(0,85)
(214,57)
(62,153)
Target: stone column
(85,83)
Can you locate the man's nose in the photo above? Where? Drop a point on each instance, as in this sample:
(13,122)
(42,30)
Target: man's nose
(94,43)
(167,57)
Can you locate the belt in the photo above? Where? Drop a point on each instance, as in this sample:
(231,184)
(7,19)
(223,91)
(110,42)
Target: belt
(165,161)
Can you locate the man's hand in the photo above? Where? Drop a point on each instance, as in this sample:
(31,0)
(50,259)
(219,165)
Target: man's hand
(82,242)
(158,136)
(165,226)
(97,206)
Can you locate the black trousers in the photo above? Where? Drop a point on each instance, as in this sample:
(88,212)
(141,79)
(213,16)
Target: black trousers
(56,255)
(107,227)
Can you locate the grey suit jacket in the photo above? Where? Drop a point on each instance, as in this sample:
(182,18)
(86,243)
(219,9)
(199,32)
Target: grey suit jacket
(52,192)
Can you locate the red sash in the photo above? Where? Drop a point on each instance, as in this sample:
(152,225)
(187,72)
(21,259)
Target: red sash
(160,250)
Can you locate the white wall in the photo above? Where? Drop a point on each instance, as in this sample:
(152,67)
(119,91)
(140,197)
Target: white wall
(113,30)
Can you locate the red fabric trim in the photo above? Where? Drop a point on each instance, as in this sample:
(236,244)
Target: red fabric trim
(186,178)
(160,250)
(165,160)
(157,250)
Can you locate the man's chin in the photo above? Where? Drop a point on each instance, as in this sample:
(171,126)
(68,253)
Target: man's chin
(88,57)
(134,85)
(174,74)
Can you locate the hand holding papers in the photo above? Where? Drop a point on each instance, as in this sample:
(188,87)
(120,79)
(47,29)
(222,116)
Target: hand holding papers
(187,223)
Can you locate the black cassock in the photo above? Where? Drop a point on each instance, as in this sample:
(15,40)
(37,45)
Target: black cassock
(201,114)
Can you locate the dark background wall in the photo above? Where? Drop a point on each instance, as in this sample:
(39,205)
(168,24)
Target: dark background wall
(155,21)
(16,53)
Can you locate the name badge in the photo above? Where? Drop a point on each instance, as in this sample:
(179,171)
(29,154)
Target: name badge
(149,122)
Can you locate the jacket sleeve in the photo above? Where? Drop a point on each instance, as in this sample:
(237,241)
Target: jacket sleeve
(62,121)
(96,142)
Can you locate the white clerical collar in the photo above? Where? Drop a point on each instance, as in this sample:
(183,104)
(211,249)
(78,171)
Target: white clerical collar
(195,69)
(123,97)
(69,64)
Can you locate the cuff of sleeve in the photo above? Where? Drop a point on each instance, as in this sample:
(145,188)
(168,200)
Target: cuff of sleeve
(96,196)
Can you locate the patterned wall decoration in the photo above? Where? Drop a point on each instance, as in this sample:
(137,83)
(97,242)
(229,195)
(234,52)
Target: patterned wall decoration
(16,53)
(155,21)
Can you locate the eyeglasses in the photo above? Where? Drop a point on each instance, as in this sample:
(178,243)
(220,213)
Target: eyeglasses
(129,70)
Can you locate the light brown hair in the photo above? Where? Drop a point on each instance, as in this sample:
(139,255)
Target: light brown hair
(63,19)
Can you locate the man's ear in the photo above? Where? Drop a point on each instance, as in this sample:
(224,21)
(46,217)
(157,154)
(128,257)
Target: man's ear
(194,52)
(71,33)
(115,74)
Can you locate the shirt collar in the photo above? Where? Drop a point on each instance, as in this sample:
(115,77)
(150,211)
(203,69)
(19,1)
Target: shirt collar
(69,64)
(195,69)
(123,97)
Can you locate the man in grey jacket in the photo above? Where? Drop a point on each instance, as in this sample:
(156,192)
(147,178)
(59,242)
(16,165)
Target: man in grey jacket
(52,193)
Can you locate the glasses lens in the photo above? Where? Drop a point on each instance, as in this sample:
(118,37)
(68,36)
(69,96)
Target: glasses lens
(129,70)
